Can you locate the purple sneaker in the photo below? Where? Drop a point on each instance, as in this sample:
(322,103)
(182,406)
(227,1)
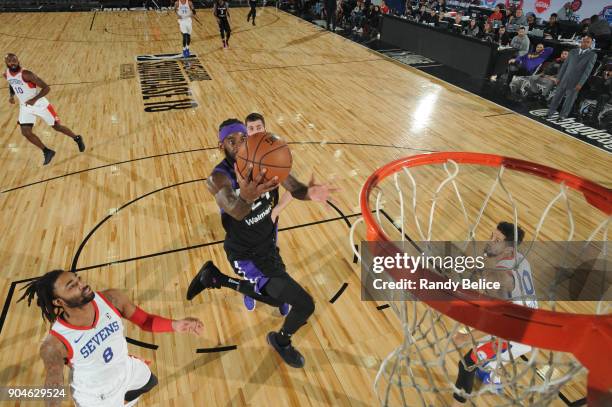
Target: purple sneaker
(249,303)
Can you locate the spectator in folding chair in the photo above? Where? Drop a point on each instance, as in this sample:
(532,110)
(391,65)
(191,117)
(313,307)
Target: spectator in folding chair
(551,30)
(472,30)
(529,63)
(531,22)
(371,26)
(496,15)
(521,42)
(440,6)
(433,18)
(502,37)
(544,83)
(357,18)
(487,33)
(458,23)
(384,9)
(517,19)
(566,13)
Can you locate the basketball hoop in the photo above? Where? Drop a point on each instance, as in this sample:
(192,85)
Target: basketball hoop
(551,332)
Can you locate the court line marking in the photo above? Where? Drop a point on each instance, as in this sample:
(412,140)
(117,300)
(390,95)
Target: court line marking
(205,149)
(339,293)
(141,344)
(93,19)
(11,291)
(217,349)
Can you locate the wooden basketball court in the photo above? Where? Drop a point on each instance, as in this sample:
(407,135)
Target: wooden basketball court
(345,110)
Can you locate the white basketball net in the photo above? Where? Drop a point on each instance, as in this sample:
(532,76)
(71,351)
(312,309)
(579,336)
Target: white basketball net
(423,369)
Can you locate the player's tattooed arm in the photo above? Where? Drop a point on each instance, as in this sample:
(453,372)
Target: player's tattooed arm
(53,354)
(44,88)
(221,187)
(238,205)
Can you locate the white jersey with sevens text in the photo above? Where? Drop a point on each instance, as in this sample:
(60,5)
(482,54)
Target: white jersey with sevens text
(97,355)
(524,289)
(184,11)
(23,90)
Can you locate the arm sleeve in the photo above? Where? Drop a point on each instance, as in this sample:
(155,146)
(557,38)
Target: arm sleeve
(151,323)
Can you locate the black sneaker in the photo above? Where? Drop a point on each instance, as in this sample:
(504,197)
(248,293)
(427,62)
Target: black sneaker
(208,277)
(79,141)
(290,355)
(48,155)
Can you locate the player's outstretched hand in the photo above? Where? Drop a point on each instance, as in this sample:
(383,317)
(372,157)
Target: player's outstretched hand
(251,189)
(188,325)
(320,192)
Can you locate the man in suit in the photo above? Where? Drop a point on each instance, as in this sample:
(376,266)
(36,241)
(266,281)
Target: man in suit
(330,12)
(572,76)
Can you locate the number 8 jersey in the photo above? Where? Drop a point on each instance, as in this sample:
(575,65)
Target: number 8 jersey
(97,355)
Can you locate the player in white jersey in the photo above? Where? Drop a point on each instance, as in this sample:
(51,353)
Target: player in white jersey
(31,91)
(185,10)
(513,272)
(87,334)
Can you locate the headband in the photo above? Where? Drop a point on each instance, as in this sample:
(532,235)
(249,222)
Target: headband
(231,128)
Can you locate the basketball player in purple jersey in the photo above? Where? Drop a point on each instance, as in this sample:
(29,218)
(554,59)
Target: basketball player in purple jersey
(250,241)
(255,123)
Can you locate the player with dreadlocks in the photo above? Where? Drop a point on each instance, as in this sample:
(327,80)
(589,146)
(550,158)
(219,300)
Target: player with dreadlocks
(87,334)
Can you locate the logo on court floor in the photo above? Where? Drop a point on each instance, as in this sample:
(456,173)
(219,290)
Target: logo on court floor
(596,137)
(164,81)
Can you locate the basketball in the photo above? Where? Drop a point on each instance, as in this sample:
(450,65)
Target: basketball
(265,150)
